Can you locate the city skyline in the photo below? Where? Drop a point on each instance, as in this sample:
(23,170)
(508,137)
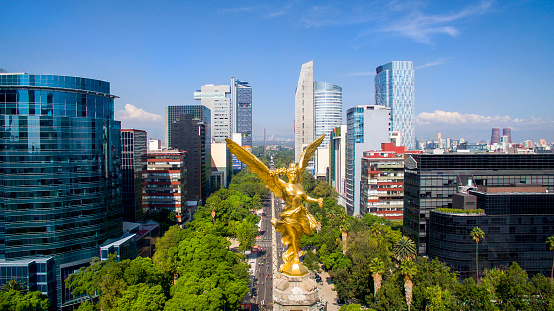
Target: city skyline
(478,64)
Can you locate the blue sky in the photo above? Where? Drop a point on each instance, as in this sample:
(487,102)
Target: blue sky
(479,64)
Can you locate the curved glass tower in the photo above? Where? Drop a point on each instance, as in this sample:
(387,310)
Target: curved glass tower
(327,109)
(59,173)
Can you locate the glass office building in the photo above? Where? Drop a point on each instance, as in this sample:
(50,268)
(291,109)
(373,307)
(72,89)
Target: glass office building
(173,114)
(516,221)
(133,149)
(242,104)
(327,109)
(395,89)
(431,180)
(60,170)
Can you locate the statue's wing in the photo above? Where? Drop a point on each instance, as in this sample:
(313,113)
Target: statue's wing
(256,166)
(308,154)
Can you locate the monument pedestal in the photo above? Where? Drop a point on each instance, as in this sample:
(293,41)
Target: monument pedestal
(295,292)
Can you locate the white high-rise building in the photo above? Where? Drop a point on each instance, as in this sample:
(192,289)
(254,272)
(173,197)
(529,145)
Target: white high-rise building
(215,98)
(395,89)
(304,110)
(328,116)
(367,127)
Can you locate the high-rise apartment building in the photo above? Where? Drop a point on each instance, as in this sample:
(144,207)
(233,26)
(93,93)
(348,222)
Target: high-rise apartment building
(395,89)
(60,195)
(382,181)
(164,178)
(241,97)
(189,135)
(133,148)
(367,127)
(214,97)
(173,113)
(430,181)
(304,110)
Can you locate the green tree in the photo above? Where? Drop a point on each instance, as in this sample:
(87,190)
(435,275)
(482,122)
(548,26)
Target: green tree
(439,299)
(165,258)
(431,273)
(390,295)
(544,292)
(14,285)
(15,300)
(513,289)
(141,297)
(246,232)
(404,249)
(409,270)
(377,268)
(477,234)
(476,297)
(550,243)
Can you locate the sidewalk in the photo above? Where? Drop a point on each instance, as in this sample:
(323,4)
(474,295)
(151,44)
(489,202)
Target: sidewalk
(327,292)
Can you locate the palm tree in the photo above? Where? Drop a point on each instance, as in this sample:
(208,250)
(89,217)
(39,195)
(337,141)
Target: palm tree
(344,227)
(550,243)
(409,269)
(404,249)
(377,267)
(477,234)
(15,285)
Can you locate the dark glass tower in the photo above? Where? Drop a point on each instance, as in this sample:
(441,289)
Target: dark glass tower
(189,135)
(173,113)
(133,148)
(59,174)
(431,180)
(244,111)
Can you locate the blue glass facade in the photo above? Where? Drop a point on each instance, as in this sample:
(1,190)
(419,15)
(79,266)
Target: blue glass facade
(244,112)
(60,169)
(395,89)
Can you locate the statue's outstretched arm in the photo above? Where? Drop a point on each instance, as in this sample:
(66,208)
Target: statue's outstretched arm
(310,199)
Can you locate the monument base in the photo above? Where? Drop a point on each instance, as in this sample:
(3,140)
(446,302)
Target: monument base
(295,292)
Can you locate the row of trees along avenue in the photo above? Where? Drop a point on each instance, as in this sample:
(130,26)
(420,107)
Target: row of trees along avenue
(192,268)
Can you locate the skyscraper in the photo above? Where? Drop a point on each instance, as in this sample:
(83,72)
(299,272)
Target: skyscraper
(189,134)
(367,127)
(495,136)
(508,133)
(327,109)
(214,97)
(133,149)
(304,110)
(60,196)
(328,116)
(395,89)
(173,113)
(241,97)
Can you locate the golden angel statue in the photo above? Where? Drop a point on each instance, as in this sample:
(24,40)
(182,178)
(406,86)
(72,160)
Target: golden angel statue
(295,220)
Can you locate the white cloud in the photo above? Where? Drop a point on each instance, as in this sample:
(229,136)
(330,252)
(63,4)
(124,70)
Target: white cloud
(437,62)
(132,113)
(359,74)
(420,27)
(457,119)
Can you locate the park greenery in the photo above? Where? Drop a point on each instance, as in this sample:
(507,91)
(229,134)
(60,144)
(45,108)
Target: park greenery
(192,268)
